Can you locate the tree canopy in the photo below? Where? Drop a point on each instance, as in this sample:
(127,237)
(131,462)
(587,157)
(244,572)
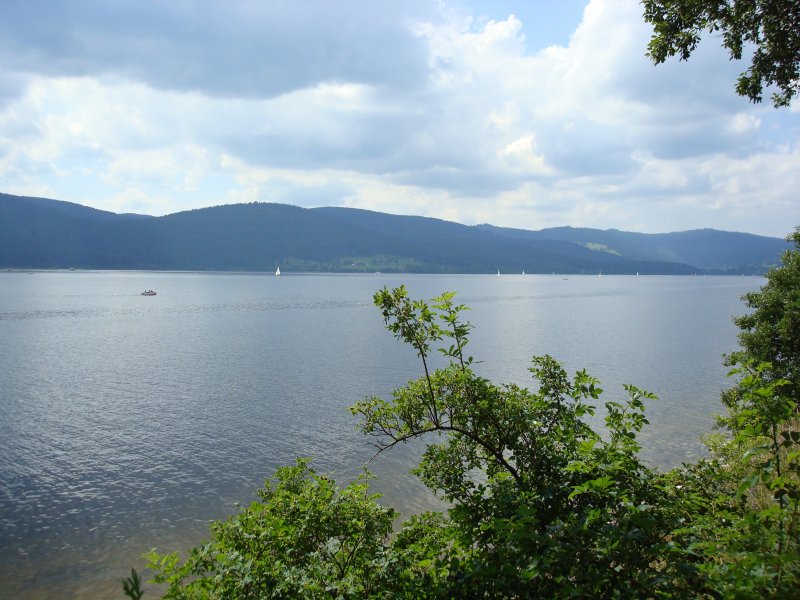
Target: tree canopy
(768,28)
(771,332)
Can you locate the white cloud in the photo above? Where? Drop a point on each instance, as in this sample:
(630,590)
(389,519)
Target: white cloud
(133,200)
(744,123)
(413,109)
(520,155)
(178,168)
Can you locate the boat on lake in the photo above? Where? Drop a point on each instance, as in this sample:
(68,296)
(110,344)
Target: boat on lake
(278,272)
(149,293)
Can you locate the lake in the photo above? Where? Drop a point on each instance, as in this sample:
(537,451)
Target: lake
(128,422)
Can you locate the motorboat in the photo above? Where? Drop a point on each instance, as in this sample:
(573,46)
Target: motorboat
(149,293)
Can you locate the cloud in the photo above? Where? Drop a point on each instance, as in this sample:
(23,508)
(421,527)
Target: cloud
(412,108)
(12,87)
(134,200)
(217,47)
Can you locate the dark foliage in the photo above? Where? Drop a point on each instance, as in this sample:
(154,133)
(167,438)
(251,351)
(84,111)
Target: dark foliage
(770,27)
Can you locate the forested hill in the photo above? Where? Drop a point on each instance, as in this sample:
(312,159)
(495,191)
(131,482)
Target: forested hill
(42,233)
(707,249)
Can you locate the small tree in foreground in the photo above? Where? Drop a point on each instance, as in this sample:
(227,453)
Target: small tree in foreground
(541,505)
(771,332)
(750,533)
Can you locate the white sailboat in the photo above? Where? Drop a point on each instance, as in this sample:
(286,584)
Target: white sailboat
(278,272)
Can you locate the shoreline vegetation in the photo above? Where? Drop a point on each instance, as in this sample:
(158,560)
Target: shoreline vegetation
(541,505)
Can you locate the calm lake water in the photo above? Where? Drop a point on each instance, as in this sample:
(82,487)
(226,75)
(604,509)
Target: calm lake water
(128,422)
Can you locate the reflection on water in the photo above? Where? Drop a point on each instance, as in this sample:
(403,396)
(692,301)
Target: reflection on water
(128,422)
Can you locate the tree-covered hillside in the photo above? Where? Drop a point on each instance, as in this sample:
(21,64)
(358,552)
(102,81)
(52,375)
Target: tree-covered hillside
(41,233)
(707,249)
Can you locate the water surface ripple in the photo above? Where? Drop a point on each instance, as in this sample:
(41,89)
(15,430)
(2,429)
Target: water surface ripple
(128,422)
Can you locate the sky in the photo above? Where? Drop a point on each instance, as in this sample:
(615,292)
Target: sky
(526,114)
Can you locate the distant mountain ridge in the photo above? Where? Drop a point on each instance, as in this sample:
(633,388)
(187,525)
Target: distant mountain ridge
(43,233)
(707,249)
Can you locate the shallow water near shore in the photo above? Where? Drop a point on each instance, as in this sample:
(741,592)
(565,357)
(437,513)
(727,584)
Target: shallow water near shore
(128,422)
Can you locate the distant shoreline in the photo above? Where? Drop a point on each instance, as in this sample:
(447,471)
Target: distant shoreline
(359,273)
